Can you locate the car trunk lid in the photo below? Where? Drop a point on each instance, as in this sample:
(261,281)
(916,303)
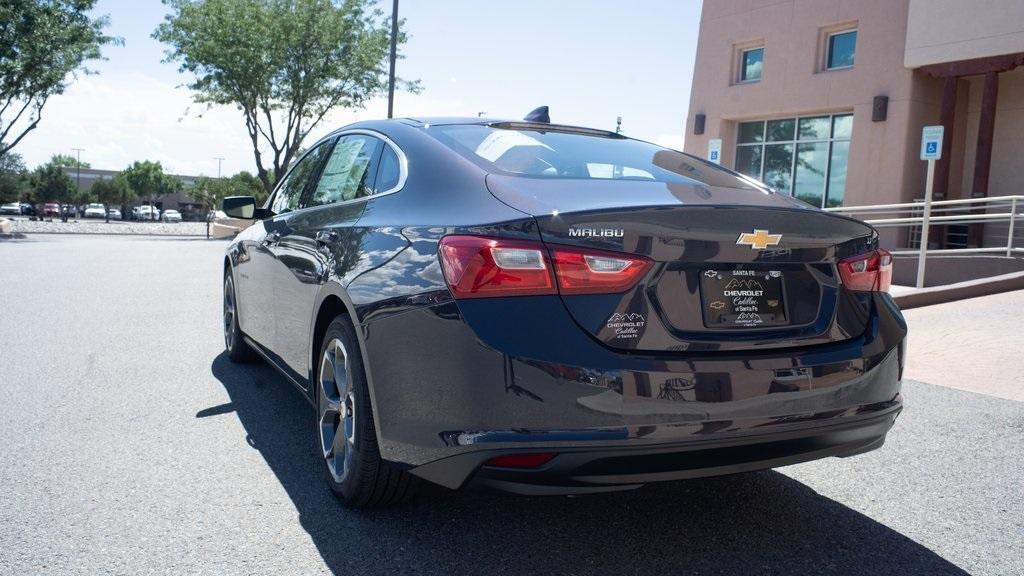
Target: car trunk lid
(735,268)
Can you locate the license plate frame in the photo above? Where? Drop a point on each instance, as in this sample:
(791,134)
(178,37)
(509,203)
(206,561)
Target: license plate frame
(743,299)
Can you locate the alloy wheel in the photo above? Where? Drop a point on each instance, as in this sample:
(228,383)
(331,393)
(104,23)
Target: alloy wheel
(229,314)
(335,406)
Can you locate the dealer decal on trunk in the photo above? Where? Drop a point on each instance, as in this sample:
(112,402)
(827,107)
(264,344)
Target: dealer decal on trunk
(627,325)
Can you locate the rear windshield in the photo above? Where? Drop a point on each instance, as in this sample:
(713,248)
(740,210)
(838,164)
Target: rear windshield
(562,154)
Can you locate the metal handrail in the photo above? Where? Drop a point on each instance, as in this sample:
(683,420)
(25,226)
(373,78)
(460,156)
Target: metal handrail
(917,205)
(923,217)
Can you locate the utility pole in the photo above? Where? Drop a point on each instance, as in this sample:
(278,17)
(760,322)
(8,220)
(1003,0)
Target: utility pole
(480,114)
(394,55)
(219,160)
(78,175)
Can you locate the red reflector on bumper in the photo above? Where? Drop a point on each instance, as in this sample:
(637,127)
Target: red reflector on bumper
(534,460)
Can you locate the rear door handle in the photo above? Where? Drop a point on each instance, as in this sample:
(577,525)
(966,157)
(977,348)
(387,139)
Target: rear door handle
(325,237)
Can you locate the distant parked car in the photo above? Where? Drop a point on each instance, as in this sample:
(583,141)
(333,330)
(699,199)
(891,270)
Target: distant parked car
(95,211)
(171,216)
(27,209)
(114,214)
(12,208)
(145,212)
(51,209)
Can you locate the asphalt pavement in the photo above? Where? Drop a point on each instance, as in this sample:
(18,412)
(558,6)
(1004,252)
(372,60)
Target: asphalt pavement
(130,445)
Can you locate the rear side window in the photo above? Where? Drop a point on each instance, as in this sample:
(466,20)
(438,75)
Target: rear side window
(560,153)
(390,171)
(349,171)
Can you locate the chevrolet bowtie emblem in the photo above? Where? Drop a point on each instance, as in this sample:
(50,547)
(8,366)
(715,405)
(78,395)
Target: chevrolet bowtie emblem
(758,239)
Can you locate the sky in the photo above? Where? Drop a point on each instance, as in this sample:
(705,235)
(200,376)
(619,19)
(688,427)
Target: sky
(589,60)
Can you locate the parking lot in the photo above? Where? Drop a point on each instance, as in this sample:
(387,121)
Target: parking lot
(132,445)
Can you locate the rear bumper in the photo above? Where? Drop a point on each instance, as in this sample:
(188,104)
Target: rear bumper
(579,470)
(520,376)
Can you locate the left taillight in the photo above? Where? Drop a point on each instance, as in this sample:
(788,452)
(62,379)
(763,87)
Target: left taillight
(871,272)
(479,267)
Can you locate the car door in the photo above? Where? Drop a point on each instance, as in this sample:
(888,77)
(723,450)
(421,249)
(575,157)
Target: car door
(260,267)
(317,238)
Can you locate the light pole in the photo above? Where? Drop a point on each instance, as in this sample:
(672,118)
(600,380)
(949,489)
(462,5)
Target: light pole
(219,160)
(78,174)
(394,54)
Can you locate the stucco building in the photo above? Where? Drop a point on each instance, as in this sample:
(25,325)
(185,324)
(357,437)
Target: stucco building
(825,99)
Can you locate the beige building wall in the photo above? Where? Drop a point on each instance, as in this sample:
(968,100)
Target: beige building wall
(883,164)
(951,30)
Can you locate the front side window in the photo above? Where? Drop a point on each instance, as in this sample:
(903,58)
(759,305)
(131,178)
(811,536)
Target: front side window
(751,62)
(804,157)
(289,193)
(841,47)
(349,171)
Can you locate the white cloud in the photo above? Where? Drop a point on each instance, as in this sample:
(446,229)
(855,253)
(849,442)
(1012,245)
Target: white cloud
(120,117)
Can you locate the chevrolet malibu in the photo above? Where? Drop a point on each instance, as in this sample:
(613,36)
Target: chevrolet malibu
(548,309)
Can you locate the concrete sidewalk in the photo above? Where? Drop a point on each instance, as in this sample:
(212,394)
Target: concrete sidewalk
(969,344)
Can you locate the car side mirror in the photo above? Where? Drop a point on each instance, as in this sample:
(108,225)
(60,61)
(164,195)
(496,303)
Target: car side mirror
(239,207)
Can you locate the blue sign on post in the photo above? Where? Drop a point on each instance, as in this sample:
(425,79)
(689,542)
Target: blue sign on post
(931,143)
(715,150)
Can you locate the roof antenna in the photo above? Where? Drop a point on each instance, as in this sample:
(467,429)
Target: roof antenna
(539,114)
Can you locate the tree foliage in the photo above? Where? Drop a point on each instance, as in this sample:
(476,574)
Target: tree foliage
(14,178)
(211,191)
(50,183)
(147,180)
(67,160)
(42,44)
(284,63)
(113,192)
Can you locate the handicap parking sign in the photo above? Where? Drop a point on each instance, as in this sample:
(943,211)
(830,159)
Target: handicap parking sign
(715,150)
(931,143)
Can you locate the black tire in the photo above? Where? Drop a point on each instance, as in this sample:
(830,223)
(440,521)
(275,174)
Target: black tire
(345,433)
(234,344)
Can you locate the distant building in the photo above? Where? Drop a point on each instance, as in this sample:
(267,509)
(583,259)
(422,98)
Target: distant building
(826,100)
(180,200)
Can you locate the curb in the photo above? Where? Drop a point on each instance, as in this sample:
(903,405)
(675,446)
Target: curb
(961,290)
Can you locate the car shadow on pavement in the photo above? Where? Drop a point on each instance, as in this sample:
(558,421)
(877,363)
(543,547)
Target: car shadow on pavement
(763,523)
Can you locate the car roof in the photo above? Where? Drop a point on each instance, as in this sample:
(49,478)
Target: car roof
(428,121)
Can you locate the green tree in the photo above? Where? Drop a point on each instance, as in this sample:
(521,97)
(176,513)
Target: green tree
(210,192)
(284,63)
(67,160)
(14,183)
(113,192)
(51,184)
(147,180)
(245,184)
(43,43)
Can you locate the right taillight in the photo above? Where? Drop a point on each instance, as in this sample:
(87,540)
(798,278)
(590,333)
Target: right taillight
(480,267)
(871,272)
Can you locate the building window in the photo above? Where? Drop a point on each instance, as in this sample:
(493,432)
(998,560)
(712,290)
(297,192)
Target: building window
(804,157)
(840,49)
(751,61)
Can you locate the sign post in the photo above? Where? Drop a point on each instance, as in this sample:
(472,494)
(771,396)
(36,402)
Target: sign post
(931,150)
(715,150)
